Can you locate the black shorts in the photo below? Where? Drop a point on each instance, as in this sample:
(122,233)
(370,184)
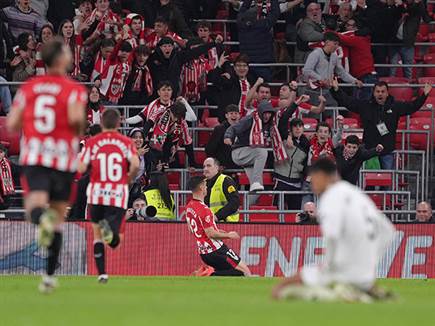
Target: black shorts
(113,215)
(57,184)
(222,259)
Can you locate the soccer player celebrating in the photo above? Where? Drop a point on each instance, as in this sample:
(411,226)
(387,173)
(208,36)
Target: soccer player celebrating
(50,110)
(356,236)
(114,162)
(222,260)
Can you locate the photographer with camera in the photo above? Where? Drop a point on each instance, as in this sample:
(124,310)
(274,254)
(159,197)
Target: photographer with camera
(140,211)
(308,216)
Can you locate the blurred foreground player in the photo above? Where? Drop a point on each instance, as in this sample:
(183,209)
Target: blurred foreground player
(113,163)
(222,261)
(50,110)
(356,236)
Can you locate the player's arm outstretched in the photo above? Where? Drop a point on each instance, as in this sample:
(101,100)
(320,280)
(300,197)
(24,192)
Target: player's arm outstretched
(217,235)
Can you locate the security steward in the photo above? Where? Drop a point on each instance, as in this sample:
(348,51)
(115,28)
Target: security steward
(222,195)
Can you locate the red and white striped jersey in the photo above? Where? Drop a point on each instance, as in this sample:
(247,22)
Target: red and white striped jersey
(48,139)
(154,110)
(108,154)
(194,79)
(39,64)
(199,217)
(114,79)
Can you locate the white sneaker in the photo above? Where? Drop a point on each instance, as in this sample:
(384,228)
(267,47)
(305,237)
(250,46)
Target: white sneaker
(46,228)
(103,278)
(48,284)
(256,186)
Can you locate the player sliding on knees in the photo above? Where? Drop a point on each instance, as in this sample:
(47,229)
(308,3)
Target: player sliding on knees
(113,162)
(50,110)
(356,236)
(221,260)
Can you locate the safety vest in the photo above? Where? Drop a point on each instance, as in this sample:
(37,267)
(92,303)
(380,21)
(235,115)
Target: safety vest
(218,199)
(154,198)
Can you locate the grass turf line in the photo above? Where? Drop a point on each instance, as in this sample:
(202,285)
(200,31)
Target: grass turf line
(198,301)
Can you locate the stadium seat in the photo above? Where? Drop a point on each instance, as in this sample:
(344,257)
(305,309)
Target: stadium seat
(419,141)
(244,181)
(10,139)
(174,186)
(290,218)
(399,93)
(200,156)
(348,123)
(211,122)
(203,137)
(424,30)
(426,110)
(381,200)
(377,179)
(266,217)
(174,177)
(265,200)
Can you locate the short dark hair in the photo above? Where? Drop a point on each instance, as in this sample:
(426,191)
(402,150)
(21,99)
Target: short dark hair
(381,83)
(178,110)
(194,182)
(243,58)
(110,118)
(161,19)
(231,108)
(323,124)
(125,47)
(95,129)
(352,139)
(265,85)
(296,122)
(324,165)
(331,36)
(51,51)
(164,83)
(107,42)
(142,50)
(203,24)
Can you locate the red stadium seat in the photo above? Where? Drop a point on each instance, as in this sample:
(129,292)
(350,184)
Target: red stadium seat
(266,217)
(211,122)
(419,141)
(203,137)
(424,29)
(200,156)
(348,123)
(265,200)
(426,110)
(381,200)
(244,181)
(374,179)
(399,93)
(268,179)
(173,186)
(10,139)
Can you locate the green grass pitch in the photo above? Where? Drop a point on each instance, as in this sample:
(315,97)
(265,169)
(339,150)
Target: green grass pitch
(199,301)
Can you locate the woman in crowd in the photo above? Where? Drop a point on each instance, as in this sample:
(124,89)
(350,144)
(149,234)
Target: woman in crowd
(75,42)
(95,108)
(47,34)
(23,65)
(158,195)
(143,149)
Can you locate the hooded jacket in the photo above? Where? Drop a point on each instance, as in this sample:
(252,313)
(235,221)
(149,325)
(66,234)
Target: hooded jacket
(241,131)
(372,114)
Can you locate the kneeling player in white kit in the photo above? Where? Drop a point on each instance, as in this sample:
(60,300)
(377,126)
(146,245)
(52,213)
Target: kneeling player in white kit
(356,235)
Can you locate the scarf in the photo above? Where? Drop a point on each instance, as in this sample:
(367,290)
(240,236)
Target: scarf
(6,179)
(165,127)
(194,79)
(114,79)
(317,150)
(263,8)
(142,74)
(256,137)
(103,27)
(244,87)
(99,64)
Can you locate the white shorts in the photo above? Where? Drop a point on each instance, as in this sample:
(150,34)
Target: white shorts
(318,276)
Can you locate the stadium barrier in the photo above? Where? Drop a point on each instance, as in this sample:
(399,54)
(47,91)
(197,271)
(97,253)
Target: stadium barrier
(169,249)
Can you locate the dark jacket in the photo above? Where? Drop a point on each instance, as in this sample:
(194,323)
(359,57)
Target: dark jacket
(415,11)
(216,147)
(174,16)
(229,188)
(170,69)
(228,90)
(255,35)
(349,169)
(131,97)
(372,114)
(382,20)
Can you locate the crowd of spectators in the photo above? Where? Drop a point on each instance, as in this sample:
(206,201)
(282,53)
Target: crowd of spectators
(164,56)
